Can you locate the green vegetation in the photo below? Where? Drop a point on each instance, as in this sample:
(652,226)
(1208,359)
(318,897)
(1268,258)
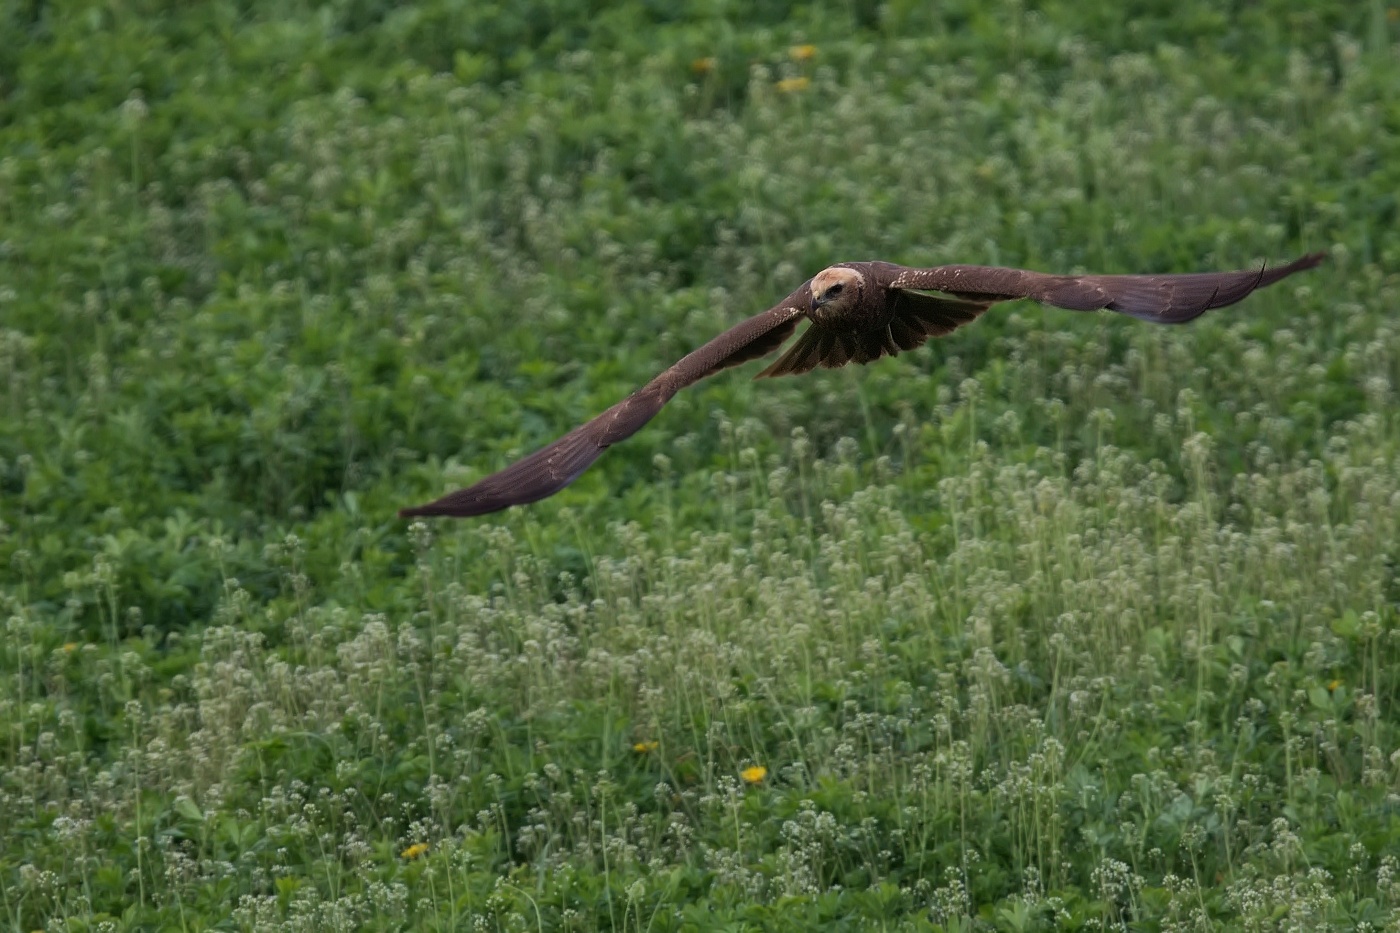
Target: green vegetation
(1067,622)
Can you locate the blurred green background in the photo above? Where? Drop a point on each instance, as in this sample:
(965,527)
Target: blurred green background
(1063,622)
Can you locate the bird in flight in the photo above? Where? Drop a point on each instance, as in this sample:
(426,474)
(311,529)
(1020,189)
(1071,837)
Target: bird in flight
(859,312)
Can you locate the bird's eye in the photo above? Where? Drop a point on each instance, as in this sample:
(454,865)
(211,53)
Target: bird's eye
(835,290)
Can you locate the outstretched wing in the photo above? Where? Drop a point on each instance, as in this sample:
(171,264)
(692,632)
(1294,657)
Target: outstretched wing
(1162,299)
(551,468)
(967,291)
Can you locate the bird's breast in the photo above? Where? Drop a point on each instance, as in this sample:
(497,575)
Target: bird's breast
(868,310)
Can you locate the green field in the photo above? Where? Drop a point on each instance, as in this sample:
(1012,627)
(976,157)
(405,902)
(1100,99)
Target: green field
(1064,622)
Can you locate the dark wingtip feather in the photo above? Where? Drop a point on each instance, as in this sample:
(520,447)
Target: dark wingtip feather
(551,468)
(1298,265)
(1269,276)
(455,506)
(1177,299)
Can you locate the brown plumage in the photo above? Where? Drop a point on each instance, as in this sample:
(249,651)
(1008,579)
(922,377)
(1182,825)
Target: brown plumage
(859,312)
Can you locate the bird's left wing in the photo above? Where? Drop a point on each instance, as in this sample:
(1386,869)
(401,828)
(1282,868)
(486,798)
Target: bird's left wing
(1161,299)
(551,468)
(966,292)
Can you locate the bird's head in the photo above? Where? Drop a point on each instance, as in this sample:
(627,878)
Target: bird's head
(836,290)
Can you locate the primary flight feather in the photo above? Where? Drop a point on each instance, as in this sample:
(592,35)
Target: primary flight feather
(859,312)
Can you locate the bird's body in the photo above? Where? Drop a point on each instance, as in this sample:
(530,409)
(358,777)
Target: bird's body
(859,312)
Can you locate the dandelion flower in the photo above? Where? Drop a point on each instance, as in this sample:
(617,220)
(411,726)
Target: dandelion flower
(413,851)
(793,85)
(70,646)
(703,66)
(754,774)
(1333,684)
(802,53)
(646,746)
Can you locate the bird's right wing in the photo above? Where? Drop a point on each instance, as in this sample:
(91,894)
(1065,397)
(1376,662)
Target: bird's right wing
(551,468)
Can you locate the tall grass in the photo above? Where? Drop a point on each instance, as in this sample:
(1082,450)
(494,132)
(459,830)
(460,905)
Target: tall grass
(1064,622)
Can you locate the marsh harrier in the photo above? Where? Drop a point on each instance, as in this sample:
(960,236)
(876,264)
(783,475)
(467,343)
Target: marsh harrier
(859,312)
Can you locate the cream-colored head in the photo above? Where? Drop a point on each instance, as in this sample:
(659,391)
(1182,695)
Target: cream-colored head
(835,290)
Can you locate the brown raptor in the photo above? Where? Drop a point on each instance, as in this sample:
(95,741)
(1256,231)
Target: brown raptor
(859,312)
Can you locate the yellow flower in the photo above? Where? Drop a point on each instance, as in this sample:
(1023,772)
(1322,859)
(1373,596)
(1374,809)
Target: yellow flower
(703,66)
(793,85)
(754,774)
(415,850)
(70,646)
(1333,684)
(802,53)
(646,746)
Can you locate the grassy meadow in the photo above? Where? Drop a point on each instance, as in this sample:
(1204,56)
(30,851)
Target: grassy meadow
(1064,622)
